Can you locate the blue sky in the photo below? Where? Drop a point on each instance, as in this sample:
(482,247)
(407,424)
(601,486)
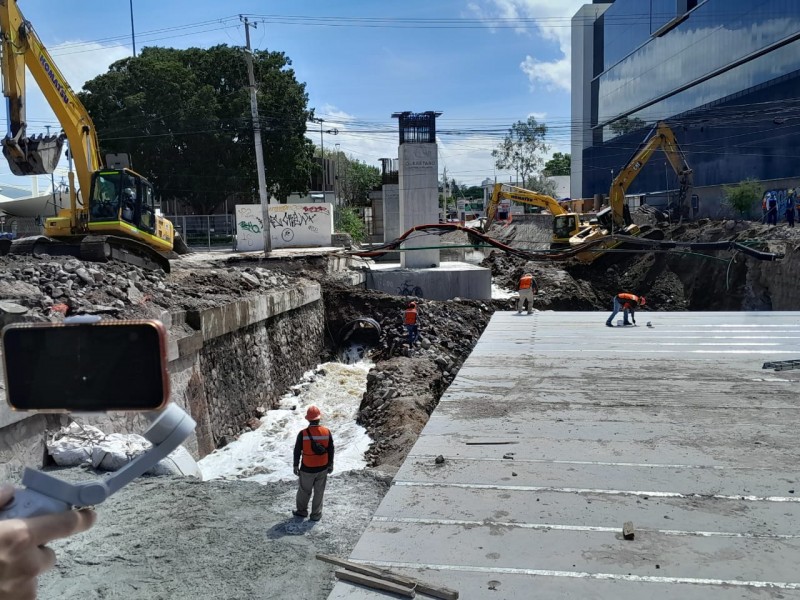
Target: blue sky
(483,63)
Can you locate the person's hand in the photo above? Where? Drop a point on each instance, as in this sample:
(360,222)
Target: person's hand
(23,554)
(297,471)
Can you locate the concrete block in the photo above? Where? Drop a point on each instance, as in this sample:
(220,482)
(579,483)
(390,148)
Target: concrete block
(449,280)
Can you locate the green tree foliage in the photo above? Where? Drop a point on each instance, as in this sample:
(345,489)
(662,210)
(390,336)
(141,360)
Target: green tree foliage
(473,192)
(522,149)
(184,117)
(743,196)
(356,180)
(347,220)
(560,164)
(542,185)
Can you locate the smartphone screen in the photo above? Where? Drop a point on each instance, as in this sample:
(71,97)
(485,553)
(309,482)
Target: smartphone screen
(110,365)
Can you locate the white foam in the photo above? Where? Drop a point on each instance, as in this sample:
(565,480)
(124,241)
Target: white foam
(265,455)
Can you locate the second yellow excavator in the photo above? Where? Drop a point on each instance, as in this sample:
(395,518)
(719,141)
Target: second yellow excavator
(566,225)
(112,212)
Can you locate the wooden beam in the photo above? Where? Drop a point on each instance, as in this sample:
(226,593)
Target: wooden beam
(428,589)
(375,583)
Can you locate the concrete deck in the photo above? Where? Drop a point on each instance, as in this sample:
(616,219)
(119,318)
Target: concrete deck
(558,430)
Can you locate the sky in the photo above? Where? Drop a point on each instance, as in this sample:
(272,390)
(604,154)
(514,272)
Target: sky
(484,64)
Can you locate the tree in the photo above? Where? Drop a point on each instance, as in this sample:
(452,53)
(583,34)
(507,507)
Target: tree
(184,117)
(356,180)
(541,184)
(742,196)
(522,149)
(347,220)
(560,164)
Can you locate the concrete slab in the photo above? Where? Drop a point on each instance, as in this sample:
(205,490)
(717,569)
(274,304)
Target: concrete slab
(446,281)
(558,430)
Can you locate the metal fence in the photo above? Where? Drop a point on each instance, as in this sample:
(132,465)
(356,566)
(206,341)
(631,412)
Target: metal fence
(209,232)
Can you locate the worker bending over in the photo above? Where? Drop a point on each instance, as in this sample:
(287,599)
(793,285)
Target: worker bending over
(527,288)
(628,303)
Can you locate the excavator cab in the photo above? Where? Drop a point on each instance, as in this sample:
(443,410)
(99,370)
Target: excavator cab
(564,227)
(121,198)
(35,155)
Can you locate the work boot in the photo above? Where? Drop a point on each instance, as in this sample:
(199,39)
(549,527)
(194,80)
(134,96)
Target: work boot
(627,323)
(297,513)
(608,324)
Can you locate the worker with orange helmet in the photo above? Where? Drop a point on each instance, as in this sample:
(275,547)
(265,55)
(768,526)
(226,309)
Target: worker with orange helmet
(627,303)
(527,288)
(313,461)
(410,322)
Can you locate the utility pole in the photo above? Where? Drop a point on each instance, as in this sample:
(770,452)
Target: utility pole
(333,131)
(336,184)
(262,180)
(133,33)
(52,183)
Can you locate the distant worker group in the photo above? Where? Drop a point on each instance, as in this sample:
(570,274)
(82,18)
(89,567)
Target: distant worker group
(527,288)
(627,303)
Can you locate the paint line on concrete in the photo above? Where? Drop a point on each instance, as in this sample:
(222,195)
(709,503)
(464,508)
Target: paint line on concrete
(589,528)
(583,575)
(598,463)
(530,488)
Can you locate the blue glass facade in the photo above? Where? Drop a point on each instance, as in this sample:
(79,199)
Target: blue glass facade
(711,77)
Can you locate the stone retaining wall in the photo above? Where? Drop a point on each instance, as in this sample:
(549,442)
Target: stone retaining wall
(224,362)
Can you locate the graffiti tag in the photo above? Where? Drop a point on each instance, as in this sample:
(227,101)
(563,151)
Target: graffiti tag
(250,226)
(292,219)
(315,209)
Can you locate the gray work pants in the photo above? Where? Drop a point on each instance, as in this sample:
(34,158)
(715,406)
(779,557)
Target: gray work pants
(311,482)
(526,294)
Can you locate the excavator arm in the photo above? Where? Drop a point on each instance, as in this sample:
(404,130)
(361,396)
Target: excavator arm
(661,136)
(21,48)
(517,194)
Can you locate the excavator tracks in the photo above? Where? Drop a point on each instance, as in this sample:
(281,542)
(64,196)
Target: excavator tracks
(94,248)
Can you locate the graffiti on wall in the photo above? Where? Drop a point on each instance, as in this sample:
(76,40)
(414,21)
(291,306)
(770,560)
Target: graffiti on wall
(783,198)
(290,225)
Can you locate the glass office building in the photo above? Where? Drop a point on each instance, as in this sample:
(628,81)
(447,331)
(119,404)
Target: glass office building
(722,73)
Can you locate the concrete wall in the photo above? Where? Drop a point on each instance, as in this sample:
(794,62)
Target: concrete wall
(223,363)
(291,225)
(419,201)
(449,280)
(391,212)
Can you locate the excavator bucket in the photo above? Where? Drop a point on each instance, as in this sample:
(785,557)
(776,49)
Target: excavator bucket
(35,155)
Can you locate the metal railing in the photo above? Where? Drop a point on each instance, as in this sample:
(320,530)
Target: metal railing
(209,232)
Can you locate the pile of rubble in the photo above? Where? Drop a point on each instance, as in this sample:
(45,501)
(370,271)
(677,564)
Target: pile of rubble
(50,287)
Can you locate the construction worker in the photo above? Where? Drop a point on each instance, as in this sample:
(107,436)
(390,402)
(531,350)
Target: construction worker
(527,288)
(410,321)
(628,303)
(313,461)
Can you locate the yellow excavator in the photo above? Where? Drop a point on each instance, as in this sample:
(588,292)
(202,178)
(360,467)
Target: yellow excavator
(616,219)
(566,225)
(112,212)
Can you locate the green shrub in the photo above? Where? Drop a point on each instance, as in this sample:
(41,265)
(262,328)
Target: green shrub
(743,196)
(347,220)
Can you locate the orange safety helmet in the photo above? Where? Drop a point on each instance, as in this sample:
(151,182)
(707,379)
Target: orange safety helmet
(313,414)
(642,301)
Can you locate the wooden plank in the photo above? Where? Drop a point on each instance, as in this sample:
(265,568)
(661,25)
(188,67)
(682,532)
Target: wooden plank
(423,588)
(375,583)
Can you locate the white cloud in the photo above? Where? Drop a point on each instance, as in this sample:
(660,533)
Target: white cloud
(552,23)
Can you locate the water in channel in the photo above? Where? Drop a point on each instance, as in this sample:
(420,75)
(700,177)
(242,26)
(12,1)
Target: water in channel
(265,455)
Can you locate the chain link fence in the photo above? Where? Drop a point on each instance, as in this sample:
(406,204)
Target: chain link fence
(206,232)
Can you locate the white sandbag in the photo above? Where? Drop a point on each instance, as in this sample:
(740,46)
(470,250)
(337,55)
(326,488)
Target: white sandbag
(72,445)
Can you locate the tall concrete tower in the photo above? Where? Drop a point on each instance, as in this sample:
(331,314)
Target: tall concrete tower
(418,185)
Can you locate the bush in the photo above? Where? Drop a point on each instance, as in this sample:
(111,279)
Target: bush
(743,196)
(347,220)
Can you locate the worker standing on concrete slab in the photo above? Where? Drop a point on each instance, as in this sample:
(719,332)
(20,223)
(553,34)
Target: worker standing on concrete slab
(628,303)
(313,461)
(527,288)
(410,321)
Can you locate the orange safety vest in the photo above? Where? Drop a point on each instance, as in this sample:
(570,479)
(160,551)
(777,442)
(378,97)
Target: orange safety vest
(525,282)
(410,316)
(321,435)
(626,296)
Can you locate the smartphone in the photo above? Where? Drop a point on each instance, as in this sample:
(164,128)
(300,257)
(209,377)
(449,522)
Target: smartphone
(86,367)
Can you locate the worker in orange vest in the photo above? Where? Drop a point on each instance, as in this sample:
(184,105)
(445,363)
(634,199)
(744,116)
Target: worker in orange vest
(627,303)
(313,461)
(410,321)
(527,288)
